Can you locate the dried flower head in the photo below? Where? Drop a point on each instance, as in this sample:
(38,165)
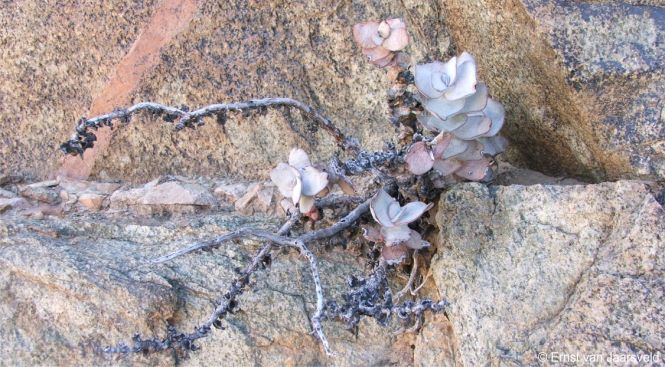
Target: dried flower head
(393,230)
(459,108)
(299,180)
(381,40)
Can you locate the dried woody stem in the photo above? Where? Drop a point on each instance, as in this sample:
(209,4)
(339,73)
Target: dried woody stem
(373,298)
(319,234)
(177,340)
(81,140)
(363,301)
(186,341)
(363,161)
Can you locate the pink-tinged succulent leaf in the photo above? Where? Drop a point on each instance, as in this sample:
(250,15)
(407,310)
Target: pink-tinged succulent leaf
(395,235)
(298,159)
(440,144)
(379,206)
(434,123)
(386,61)
(398,39)
(447,166)
(477,101)
(410,212)
(455,147)
(472,153)
(314,213)
(493,145)
(453,122)
(424,73)
(419,159)
(396,23)
(287,180)
(394,255)
(496,113)
(306,204)
(443,108)
(377,53)
(384,29)
(372,232)
(474,170)
(416,241)
(475,126)
(313,181)
(465,81)
(363,34)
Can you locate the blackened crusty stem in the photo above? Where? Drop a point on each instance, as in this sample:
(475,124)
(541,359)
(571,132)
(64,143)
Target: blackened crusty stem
(83,138)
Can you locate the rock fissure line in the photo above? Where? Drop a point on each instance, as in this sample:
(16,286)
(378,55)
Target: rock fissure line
(168,20)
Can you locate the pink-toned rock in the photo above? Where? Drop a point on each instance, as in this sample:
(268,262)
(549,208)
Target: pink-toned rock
(263,202)
(49,183)
(41,192)
(78,186)
(230,192)
(242,204)
(155,197)
(123,198)
(91,201)
(178,193)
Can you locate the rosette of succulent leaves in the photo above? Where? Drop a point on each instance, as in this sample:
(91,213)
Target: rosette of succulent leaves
(449,129)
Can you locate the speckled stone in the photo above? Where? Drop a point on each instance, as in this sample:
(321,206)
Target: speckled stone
(53,61)
(57,60)
(582,82)
(74,285)
(540,270)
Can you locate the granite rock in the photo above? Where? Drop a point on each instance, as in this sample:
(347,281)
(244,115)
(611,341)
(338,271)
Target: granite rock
(74,285)
(170,196)
(61,63)
(537,272)
(582,82)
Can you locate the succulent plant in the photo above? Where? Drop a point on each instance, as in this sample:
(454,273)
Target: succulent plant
(380,41)
(392,228)
(299,180)
(468,121)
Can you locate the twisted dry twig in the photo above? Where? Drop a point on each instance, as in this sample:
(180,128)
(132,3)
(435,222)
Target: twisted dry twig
(186,341)
(176,340)
(319,234)
(84,139)
(373,298)
(320,298)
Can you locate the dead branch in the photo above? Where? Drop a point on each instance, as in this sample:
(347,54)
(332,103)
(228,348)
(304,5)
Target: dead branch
(372,297)
(320,299)
(185,342)
(83,139)
(343,224)
(412,277)
(366,161)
